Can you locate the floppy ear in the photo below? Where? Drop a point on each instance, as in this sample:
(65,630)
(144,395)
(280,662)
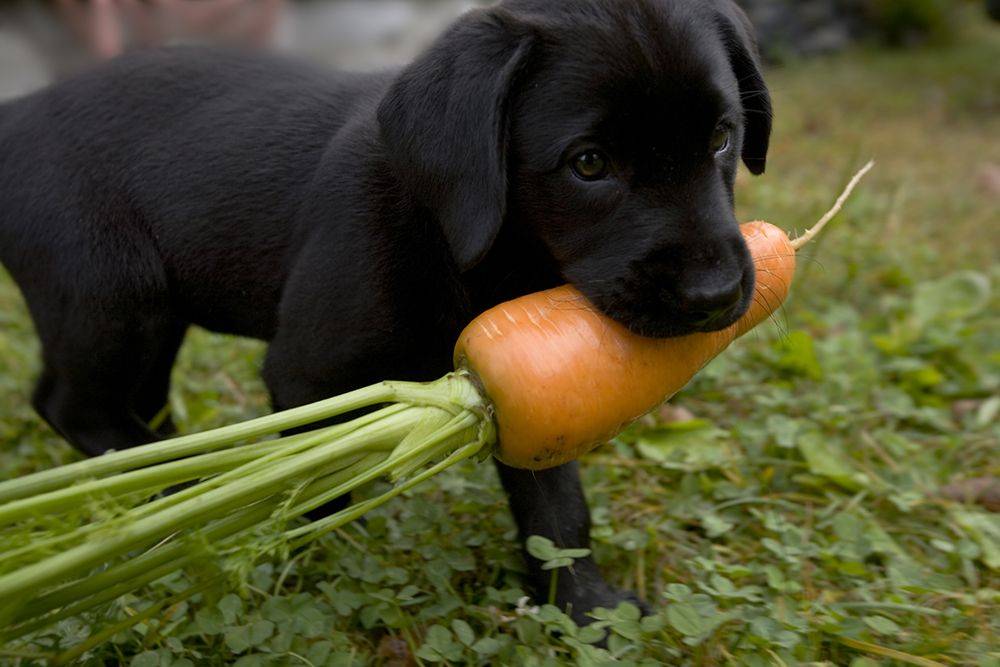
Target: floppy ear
(741,45)
(444,123)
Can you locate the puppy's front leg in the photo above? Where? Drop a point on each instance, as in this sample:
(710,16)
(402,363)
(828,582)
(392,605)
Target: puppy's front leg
(550,503)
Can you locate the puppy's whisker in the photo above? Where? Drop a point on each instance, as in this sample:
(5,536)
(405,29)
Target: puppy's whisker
(783,327)
(784,280)
(759,258)
(767,270)
(771,289)
(766,301)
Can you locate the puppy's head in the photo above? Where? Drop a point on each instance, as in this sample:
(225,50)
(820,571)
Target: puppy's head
(608,130)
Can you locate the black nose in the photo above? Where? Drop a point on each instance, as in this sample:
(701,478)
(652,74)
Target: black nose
(709,305)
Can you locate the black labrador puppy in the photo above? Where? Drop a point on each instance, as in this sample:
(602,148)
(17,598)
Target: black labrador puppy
(359,221)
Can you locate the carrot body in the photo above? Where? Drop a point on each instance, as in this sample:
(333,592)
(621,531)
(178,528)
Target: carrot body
(564,378)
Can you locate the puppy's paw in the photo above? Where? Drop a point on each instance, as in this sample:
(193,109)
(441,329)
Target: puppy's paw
(605,596)
(581,589)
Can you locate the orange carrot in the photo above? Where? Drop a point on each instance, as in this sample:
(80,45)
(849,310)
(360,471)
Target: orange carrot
(563,378)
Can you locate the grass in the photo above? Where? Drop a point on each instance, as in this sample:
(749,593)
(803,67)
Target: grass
(797,519)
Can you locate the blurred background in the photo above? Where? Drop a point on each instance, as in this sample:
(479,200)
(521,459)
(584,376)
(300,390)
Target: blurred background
(40,40)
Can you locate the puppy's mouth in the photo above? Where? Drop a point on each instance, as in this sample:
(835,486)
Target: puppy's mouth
(649,314)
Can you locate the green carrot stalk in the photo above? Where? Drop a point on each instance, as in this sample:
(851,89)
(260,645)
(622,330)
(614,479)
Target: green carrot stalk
(127,536)
(150,480)
(130,575)
(248,490)
(443,393)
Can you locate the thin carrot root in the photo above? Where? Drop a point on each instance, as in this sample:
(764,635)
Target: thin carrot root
(810,234)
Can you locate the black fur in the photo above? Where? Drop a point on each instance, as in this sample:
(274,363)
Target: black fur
(358,222)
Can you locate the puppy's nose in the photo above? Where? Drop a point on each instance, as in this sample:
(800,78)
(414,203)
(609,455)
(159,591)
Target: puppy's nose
(709,305)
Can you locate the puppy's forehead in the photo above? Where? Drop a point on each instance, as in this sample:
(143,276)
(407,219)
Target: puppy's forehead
(637,67)
(626,38)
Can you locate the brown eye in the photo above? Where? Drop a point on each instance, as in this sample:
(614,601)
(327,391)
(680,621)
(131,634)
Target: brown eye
(720,139)
(590,166)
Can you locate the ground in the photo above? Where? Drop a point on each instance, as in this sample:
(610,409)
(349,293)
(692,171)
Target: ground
(798,517)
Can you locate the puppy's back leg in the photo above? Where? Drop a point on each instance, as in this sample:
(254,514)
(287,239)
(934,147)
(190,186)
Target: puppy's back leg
(101,307)
(153,391)
(94,421)
(99,374)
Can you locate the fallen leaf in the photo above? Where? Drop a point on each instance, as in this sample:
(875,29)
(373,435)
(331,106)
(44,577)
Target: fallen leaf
(989,178)
(963,408)
(985,530)
(983,491)
(672,414)
(395,652)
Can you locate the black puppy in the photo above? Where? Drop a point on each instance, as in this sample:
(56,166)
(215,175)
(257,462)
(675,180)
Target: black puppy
(358,222)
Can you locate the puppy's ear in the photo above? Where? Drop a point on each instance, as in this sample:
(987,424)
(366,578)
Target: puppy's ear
(444,123)
(738,34)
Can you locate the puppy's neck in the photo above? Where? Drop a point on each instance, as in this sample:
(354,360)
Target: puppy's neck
(517,264)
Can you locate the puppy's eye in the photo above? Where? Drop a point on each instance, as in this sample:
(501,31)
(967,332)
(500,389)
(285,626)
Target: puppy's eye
(720,139)
(590,166)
